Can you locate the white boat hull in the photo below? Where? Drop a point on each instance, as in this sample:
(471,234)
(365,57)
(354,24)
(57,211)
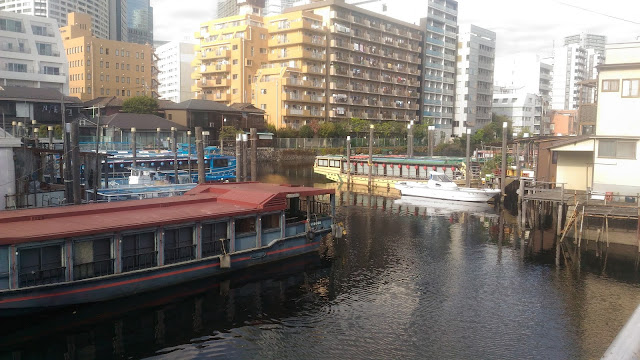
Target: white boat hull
(455,194)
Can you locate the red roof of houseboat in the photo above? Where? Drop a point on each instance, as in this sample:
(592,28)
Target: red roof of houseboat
(207,201)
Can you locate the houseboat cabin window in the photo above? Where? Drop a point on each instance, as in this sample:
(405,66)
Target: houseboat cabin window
(245,226)
(220,163)
(440,177)
(39,266)
(4,268)
(139,251)
(323,162)
(271,221)
(178,245)
(92,258)
(334,163)
(213,237)
(293,213)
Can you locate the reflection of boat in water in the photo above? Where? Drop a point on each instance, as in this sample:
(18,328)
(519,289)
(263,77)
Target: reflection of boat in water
(440,186)
(445,207)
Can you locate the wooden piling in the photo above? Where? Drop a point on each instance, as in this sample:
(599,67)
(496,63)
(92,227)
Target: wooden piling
(75,159)
(254,154)
(238,158)
(200,154)
(245,160)
(559,223)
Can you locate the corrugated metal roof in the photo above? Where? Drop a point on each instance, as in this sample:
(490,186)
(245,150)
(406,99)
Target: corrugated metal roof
(140,122)
(208,201)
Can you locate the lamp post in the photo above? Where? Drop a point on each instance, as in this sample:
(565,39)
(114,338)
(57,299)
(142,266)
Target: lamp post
(20,128)
(516,155)
(14,124)
(410,139)
(430,130)
(158,140)
(467,174)
(34,125)
(503,172)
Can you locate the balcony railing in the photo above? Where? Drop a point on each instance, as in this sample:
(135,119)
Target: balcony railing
(41,277)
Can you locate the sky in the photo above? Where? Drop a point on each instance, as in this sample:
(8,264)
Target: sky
(520,25)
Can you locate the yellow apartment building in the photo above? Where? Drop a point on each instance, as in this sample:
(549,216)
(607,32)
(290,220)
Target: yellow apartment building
(230,53)
(101,67)
(291,89)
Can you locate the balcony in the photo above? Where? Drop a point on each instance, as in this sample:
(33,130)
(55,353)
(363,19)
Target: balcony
(433,90)
(312,70)
(339,57)
(314,98)
(334,113)
(434,41)
(339,72)
(216,54)
(294,112)
(293,97)
(210,69)
(313,55)
(435,29)
(341,44)
(372,77)
(433,65)
(214,83)
(448,80)
(447,92)
(450,45)
(339,86)
(196,75)
(295,82)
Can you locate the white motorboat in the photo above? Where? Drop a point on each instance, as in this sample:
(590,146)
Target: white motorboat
(440,186)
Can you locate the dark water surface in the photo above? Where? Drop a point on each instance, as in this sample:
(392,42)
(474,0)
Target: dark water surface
(412,279)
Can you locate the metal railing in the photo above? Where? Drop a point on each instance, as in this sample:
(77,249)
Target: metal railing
(93,269)
(41,277)
(139,261)
(215,247)
(179,254)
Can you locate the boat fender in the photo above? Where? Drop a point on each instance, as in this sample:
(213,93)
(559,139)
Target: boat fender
(225,261)
(310,235)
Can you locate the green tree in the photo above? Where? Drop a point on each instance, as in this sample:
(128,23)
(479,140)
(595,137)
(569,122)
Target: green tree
(287,133)
(272,129)
(340,130)
(43,131)
(229,132)
(359,125)
(306,131)
(140,105)
(57,132)
(384,129)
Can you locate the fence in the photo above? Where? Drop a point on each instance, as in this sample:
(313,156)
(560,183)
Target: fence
(317,143)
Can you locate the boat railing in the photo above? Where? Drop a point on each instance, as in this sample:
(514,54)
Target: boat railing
(214,247)
(139,261)
(317,207)
(93,269)
(42,277)
(179,254)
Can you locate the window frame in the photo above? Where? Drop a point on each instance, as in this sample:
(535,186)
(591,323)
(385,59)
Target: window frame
(616,154)
(637,91)
(610,81)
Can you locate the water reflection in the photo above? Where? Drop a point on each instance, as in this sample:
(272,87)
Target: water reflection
(413,278)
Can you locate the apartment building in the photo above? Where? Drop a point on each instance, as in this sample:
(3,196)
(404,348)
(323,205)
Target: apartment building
(522,74)
(474,78)
(58,10)
(174,70)
(439,67)
(31,53)
(229,54)
(523,109)
(291,88)
(574,63)
(374,63)
(100,67)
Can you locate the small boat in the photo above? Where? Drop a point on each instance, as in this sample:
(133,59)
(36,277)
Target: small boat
(440,186)
(96,252)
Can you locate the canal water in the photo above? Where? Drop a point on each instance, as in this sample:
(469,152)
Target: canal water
(411,279)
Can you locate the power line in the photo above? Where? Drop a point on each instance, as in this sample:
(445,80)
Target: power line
(597,12)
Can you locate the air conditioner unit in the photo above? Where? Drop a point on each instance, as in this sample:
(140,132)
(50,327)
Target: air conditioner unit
(82,122)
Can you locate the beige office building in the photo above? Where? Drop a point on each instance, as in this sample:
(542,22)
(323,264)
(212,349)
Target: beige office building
(100,67)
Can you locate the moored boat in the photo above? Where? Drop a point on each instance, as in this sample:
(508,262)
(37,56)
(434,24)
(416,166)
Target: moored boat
(441,187)
(96,252)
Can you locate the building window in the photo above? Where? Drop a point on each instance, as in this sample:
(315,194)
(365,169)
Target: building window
(235,61)
(101,91)
(101,51)
(630,88)
(89,90)
(117,66)
(39,266)
(610,85)
(106,65)
(106,51)
(117,52)
(617,149)
(214,239)
(178,245)
(138,251)
(128,92)
(234,76)
(234,47)
(263,106)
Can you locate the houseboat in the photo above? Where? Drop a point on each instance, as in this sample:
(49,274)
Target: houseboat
(387,170)
(96,252)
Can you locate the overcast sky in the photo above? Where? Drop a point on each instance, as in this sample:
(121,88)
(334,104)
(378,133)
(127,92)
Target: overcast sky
(520,25)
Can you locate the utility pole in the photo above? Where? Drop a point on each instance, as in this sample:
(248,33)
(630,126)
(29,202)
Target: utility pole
(189,153)
(238,157)
(410,140)
(96,175)
(51,157)
(244,157)
(66,157)
(75,159)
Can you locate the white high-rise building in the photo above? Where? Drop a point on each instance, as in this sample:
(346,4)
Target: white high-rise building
(524,109)
(174,66)
(32,53)
(474,78)
(575,62)
(58,10)
(526,74)
(439,66)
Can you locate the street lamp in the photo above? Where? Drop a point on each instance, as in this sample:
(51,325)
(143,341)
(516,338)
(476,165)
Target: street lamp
(503,172)
(370,155)
(467,174)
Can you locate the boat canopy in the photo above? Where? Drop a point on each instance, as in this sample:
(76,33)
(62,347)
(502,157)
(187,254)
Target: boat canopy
(438,176)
